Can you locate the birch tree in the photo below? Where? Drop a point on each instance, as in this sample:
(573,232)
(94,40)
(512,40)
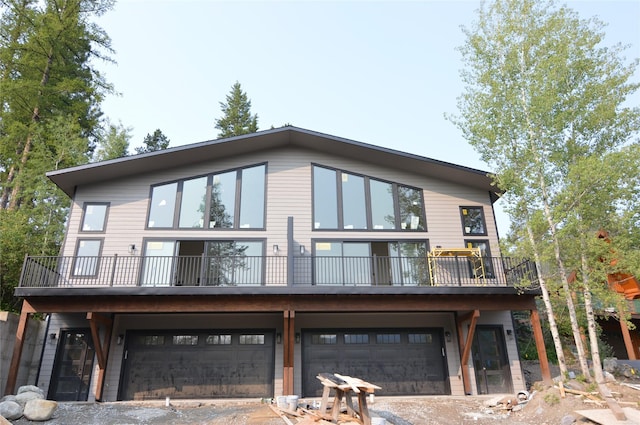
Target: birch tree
(542,94)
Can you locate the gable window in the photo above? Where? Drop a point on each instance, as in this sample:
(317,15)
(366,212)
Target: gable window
(230,200)
(192,202)
(87,257)
(473,221)
(163,205)
(347,201)
(94,217)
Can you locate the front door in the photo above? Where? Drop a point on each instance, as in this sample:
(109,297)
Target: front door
(493,374)
(73,366)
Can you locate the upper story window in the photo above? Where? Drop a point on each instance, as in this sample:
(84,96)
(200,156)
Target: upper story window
(230,200)
(473,223)
(87,257)
(346,201)
(94,217)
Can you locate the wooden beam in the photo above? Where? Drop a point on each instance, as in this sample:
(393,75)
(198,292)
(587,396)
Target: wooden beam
(277,303)
(628,344)
(465,346)
(101,346)
(542,351)
(12,377)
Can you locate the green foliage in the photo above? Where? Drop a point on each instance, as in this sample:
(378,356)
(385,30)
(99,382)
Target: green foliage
(114,144)
(154,142)
(551,399)
(50,96)
(544,105)
(237,119)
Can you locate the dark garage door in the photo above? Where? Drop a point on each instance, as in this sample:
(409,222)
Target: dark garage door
(402,362)
(198,364)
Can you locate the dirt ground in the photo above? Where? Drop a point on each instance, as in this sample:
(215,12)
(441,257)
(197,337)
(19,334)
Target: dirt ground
(545,407)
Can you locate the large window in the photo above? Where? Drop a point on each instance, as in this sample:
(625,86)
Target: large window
(87,257)
(94,217)
(379,263)
(346,201)
(202,263)
(230,200)
(473,221)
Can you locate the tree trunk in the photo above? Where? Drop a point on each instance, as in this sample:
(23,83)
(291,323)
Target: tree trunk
(557,343)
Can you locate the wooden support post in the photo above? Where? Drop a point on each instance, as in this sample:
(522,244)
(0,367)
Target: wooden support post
(288,340)
(101,346)
(628,344)
(542,351)
(465,346)
(12,377)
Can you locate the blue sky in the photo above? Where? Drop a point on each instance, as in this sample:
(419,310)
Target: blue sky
(379,72)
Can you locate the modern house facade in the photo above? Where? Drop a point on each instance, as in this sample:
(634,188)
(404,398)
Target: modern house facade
(244,267)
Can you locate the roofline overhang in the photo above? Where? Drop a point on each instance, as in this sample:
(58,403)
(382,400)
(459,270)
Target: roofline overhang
(69,178)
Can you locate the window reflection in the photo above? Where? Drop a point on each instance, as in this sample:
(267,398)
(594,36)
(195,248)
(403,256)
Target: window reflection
(354,214)
(194,197)
(252,198)
(410,208)
(382,212)
(163,204)
(223,200)
(325,199)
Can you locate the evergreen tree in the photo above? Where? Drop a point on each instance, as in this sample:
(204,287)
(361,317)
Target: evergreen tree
(115,144)
(544,104)
(50,96)
(154,142)
(237,119)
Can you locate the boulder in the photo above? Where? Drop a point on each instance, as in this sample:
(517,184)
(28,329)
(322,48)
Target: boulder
(8,397)
(30,389)
(610,364)
(39,409)
(10,410)
(25,397)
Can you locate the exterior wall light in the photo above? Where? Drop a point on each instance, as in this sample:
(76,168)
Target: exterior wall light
(301,249)
(278,338)
(447,335)
(276,250)
(132,249)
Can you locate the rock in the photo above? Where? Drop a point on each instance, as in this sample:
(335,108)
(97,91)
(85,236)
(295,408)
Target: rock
(608,377)
(610,364)
(30,389)
(39,409)
(4,421)
(567,420)
(10,410)
(8,397)
(26,396)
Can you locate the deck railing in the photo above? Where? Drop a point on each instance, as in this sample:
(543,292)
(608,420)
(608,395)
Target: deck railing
(124,271)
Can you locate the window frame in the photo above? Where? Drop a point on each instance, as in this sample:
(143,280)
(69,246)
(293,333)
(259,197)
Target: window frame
(85,206)
(482,217)
(96,266)
(239,171)
(367,199)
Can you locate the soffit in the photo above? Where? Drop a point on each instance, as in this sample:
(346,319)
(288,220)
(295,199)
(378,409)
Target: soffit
(68,179)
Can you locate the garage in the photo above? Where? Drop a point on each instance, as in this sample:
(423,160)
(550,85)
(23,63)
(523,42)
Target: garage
(197,364)
(401,361)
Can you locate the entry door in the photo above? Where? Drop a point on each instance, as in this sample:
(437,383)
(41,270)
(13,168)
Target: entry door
(73,366)
(493,374)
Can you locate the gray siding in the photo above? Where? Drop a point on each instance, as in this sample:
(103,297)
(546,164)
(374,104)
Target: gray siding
(288,194)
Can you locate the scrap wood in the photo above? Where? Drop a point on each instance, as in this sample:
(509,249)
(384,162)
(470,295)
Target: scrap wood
(562,393)
(281,414)
(634,386)
(612,403)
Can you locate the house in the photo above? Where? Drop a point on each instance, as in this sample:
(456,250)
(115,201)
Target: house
(243,267)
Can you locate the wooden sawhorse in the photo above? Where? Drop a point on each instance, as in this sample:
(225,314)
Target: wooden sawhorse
(344,387)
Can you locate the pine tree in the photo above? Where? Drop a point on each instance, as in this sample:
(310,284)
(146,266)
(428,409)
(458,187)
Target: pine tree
(154,142)
(237,119)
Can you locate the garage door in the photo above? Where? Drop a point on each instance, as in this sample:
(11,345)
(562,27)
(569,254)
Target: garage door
(402,362)
(198,364)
